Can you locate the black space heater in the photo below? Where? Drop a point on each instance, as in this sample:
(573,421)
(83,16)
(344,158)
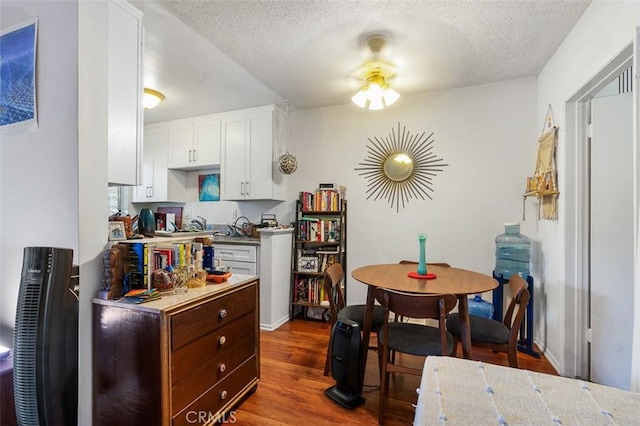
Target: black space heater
(45,341)
(346,364)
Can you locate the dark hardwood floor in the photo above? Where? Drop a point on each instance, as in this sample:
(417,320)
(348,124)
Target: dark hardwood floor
(292,385)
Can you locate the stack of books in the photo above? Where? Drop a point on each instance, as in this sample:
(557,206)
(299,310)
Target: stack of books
(140,295)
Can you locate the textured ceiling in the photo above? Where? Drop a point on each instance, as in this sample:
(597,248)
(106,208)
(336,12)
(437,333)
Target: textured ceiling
(306,50)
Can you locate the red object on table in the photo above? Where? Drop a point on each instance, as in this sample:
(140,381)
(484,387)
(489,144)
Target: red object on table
(414,274)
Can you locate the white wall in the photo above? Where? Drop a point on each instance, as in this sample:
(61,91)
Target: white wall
(602,32)
(39,170)
(487,134)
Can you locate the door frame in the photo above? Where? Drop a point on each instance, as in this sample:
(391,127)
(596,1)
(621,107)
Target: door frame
(577,217)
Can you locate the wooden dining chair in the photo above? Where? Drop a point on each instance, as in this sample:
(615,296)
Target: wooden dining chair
(409,338)
(333,287)
(495,335)
(413,262)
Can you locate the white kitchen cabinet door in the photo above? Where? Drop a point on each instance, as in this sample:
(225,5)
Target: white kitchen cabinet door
(180,148)
(233,161)
(259,156)
(125,47)
(194,143)
(160,184)
(206,143)
(246,166)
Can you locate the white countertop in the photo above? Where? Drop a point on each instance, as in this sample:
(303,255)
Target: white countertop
(171,301)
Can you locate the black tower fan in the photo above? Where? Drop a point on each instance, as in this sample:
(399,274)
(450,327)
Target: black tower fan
(346,364)
(45,341)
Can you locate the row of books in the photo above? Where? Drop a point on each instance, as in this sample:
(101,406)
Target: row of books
(327,197)
(318,229)
(310,290)
(141,260)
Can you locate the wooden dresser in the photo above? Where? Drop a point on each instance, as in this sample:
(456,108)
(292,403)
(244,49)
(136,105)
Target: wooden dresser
(180,360)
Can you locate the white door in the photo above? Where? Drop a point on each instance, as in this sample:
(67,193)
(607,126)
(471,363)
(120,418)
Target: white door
(611,240)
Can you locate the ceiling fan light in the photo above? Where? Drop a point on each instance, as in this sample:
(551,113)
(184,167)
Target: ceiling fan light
(376,103)
(390,96)
(360,98)
(374,92)
(151,98)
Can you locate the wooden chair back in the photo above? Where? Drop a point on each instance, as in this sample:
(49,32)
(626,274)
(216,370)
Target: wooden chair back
(433,306)
(333,277)
(519,300)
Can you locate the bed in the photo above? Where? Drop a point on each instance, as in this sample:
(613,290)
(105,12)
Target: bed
(455,391)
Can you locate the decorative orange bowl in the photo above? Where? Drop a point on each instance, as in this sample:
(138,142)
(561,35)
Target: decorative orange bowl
(218,276)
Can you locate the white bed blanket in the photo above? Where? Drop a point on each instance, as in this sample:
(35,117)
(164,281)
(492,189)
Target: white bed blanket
(455,391)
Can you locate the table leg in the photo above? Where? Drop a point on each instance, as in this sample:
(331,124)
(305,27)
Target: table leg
(366,331)
(465,330)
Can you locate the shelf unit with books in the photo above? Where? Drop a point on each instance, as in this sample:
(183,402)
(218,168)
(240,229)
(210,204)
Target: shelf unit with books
(320,240)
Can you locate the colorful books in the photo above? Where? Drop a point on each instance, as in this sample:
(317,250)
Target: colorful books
(141,295)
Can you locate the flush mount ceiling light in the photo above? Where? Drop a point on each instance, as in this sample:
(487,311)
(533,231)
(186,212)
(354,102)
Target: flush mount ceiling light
(151,98)
(375,93)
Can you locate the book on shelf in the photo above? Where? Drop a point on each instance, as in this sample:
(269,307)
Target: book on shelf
(137,264)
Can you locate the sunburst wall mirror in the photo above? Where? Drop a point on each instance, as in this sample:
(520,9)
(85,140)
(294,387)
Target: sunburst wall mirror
(400,166)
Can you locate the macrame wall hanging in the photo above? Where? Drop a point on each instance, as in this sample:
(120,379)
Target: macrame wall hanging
(544,182)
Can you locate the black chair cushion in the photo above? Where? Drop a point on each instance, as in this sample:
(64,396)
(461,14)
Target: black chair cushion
(482,329)
(415,339)
(356,313)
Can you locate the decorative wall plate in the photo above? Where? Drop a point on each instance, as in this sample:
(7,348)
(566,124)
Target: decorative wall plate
(400,166)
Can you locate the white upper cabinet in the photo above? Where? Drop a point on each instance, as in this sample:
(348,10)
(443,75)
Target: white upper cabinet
(159,183)
(247,165)
(194,143)
(125,120)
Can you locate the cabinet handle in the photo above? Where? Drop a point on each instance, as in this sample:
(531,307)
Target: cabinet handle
(195,157)
(241,188)
(189,155)
(247,185)
(222,313)
(222,340)
(222,368)
(223,394)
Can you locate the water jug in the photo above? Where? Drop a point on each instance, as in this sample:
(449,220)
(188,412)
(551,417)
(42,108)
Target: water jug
(512,252)
(480,307)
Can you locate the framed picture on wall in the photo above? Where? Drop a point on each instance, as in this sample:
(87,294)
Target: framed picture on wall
(18,112)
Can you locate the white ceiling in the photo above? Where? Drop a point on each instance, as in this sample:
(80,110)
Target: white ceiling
(235,54)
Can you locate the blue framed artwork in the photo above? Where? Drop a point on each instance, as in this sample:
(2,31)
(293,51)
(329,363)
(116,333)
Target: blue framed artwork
(209,187)
(18,78)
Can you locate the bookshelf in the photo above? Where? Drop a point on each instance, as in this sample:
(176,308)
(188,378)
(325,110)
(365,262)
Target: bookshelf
(320,240)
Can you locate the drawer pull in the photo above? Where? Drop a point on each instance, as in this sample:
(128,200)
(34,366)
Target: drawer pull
(223,394)
(222,313)
(222,340)
(222,368)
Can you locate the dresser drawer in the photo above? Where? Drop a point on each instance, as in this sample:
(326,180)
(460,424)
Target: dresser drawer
(211,371)
(218,396)
(223,339)
(201,320)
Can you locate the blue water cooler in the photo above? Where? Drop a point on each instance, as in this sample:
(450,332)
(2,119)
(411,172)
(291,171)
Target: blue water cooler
(512,257)
(512,252)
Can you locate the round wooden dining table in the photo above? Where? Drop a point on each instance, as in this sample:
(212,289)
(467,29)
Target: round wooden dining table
(459,282)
